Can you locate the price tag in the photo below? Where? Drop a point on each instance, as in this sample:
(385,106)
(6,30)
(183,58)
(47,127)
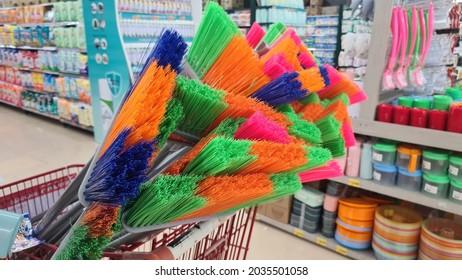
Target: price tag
(377,157)
(430,188)
(321,241)
(426,165)
(341,250)
(377,176)
(453,170)
(354,183)
(457,195)
(298,232)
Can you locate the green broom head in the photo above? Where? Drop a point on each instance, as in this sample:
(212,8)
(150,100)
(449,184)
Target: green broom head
(310,99)
(304,129)
(316,157)
(274,32)
(329,127)
(221,156)
(285,108)
(172,119)
(83,247)
(201,103)
(228,127)
(284,184)
(213,35)
(164,200)
(336,146)
(343,97)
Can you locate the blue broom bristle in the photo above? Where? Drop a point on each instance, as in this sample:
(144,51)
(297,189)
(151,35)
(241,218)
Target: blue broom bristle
(324,74)
(282,90)
(118,174)
(169,50)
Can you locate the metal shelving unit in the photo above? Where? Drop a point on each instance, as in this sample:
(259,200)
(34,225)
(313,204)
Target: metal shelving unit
(317,238)
(397,192)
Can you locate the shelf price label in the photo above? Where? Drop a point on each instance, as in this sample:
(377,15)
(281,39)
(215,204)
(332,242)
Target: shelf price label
(321,241)
(354,183)
(341,250)
(298,232)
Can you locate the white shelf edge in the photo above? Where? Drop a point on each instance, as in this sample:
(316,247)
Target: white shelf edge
(409,134)
(318,239)
(397,192)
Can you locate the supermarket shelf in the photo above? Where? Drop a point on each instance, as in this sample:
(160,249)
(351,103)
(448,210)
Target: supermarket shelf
(280,7)
(54,117)
(317,238)
(420,136)
(50,24)
(397,192)
(44,48)
(39,91)
(62,74)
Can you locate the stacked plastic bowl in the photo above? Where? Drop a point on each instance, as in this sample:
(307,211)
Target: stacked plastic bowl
(396,233)
(440,239)
(355,222)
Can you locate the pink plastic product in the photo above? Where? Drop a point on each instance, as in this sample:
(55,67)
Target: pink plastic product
(353,160)
(330,203)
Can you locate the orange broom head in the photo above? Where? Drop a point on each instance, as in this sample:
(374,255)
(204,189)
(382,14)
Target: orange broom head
(238,70)
(144,109)
(275,157)
(338,109)
(100,218)
(312,79)
(311,112)
(245,107)
(343,85)
(290,50)
(177,167)
(227,192)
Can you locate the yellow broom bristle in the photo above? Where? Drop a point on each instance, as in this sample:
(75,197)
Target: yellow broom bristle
(238,70)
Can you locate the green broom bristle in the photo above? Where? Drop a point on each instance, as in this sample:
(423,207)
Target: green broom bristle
(285,108)
(83,247)
(304,129)
(214,33)
(164,200)
(343,97)
(274,32)
(172,119)
(310,99)
(228,127)
(201,103)
(221,156)
(316,156)
(336,146)
(329,127)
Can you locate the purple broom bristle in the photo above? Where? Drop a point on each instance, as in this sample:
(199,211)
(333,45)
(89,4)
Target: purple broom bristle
(283,90)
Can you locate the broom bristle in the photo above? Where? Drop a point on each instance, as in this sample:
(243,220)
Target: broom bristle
(282,90)
(348,134)
(215,32)
(331,170)
(277,65)
(274,32)
(302,129)
(238,70)
(307,60)
(289,33)
(255,35)
(290,51)
(311,112)
(259,127)
(311,79)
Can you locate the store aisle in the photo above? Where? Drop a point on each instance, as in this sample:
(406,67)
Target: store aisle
(30,145)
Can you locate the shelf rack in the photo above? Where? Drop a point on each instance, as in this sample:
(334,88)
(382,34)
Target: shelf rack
(317,238)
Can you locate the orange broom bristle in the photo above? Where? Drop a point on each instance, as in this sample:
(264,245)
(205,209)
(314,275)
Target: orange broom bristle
(149,95)
(238,70)
(100,218)
(338,108)
(311,112)
(227,192)
(311,79)
(178,166)
(290,51)
(345,85)
(244,107)
(275,157)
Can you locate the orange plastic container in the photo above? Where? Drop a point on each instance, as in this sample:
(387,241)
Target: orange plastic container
(355,223)
(357,209)
(354,235)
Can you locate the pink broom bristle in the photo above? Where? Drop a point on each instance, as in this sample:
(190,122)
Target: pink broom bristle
(334,74)
(306,60)
(348,134)
(277,65)
(331,170)
(289,33)
(255,35)
(358,97)
(339,83)
(259,127)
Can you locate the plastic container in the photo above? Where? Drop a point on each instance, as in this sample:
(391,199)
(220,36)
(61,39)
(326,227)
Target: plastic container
(385,175)
(356,223)
(455,192)
(377,198)
(385,113)
(437,119)
(409,180)
(310,196)
(335,189)
(349,244)
(329,215)
(384,153)
(365,168)
(354,235)
(441,102)
(401,115)
(408,157)
(435,162)
(330,203)
(406,101)
(454,118)
(455,93)
(298,208)
(423,103)
(357,209)
(455,167)
(436,186)
(419,117)
(353,160)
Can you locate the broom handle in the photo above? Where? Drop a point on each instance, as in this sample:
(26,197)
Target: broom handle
(60,223)
(63,201)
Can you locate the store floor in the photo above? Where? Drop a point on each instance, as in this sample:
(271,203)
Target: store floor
(30,145)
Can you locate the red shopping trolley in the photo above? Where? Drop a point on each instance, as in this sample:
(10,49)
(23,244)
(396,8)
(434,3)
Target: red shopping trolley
(35,195)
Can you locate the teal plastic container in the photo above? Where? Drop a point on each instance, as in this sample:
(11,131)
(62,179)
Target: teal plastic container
(455,192)
(435,162)
(435,186)
(455,167)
